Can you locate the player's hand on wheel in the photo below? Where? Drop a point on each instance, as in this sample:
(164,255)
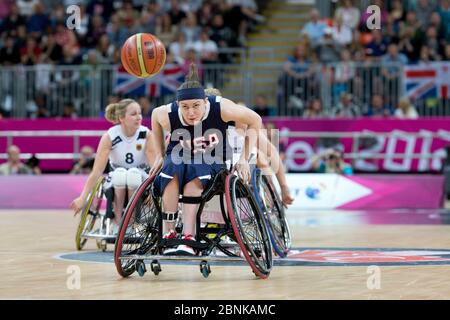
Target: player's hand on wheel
(77,205)
(243,171)
(156,167)
(286,197)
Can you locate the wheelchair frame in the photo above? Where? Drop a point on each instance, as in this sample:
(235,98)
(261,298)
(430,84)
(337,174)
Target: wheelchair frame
(281,243)
(153,250)
(88,219)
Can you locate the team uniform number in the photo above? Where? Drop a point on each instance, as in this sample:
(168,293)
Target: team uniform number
(129,158)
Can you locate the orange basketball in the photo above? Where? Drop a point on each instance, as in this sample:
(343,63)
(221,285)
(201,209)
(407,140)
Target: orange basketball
(143,55)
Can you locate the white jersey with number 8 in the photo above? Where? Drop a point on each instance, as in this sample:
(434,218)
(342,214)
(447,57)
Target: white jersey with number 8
(128,152)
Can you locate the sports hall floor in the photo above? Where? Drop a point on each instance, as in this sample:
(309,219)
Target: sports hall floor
(333,257)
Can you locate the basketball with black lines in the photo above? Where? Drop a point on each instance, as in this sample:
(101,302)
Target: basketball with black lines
(143,55)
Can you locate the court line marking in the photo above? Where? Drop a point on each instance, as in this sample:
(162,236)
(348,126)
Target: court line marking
(286,262)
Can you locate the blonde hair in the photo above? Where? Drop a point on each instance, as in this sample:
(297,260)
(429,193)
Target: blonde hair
(213,92)
(115,111)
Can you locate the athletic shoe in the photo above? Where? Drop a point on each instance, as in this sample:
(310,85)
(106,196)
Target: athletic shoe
(182,249)
(211,225)
(170,235)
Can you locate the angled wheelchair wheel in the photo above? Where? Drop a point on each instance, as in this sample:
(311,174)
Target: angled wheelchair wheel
(138,231)
(90,213)
(274,214)
(249,226)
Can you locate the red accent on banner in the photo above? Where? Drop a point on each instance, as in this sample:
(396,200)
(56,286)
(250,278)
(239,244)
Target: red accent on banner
(336,256)
(444,92)
(421,73)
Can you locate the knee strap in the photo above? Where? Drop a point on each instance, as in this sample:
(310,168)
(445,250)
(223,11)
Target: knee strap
(190,200)
(170,216)
(109,194)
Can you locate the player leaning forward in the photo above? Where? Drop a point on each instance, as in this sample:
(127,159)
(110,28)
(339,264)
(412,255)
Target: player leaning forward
(127,146)
(197,150)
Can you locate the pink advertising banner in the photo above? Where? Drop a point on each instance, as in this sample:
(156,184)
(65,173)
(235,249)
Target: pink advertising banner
(433,137)
(53,144)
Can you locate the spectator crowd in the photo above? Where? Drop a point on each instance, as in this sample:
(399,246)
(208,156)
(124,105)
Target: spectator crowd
(37,32)
(412,32)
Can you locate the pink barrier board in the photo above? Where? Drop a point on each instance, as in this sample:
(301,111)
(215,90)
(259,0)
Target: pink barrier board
(399,191)
(52,191)
(310,191)
(364,192)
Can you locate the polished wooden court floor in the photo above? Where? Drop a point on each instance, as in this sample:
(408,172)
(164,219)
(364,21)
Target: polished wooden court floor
(31,240)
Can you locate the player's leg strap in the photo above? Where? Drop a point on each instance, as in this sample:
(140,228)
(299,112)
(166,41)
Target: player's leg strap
(109,194)
(190,200)
(170,216)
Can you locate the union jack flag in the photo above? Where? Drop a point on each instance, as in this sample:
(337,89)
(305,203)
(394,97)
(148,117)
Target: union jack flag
(427,80)
(164,83)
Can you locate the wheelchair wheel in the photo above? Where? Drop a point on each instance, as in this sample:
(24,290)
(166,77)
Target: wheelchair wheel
(274,213)
(138,231)
(90,213)
(249,226)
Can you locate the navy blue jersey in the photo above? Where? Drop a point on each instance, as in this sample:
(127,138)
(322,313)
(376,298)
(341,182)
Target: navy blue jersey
(206,142)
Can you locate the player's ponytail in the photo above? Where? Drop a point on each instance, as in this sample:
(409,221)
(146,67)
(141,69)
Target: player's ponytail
(191,87)
(192,79)
(115,111)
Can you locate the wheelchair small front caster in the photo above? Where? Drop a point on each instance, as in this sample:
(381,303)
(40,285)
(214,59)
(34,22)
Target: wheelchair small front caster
(156,267)
(140,267)
(101,244)
(205,269)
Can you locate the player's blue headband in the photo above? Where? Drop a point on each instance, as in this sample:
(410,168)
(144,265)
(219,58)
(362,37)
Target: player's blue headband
(190,94)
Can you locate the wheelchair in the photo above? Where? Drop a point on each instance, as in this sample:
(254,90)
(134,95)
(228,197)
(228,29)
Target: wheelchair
(94,223)
(273,211)
(243,236)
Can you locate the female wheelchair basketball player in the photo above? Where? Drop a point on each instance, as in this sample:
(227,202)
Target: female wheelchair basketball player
(205,121)
(127,147)
(262,185)
(194,167)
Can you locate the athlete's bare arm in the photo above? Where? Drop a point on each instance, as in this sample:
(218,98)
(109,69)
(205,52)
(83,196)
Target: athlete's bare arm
(245,116)
(101,160)
(160,122)
(149,149)
(239,114)
(268,151)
